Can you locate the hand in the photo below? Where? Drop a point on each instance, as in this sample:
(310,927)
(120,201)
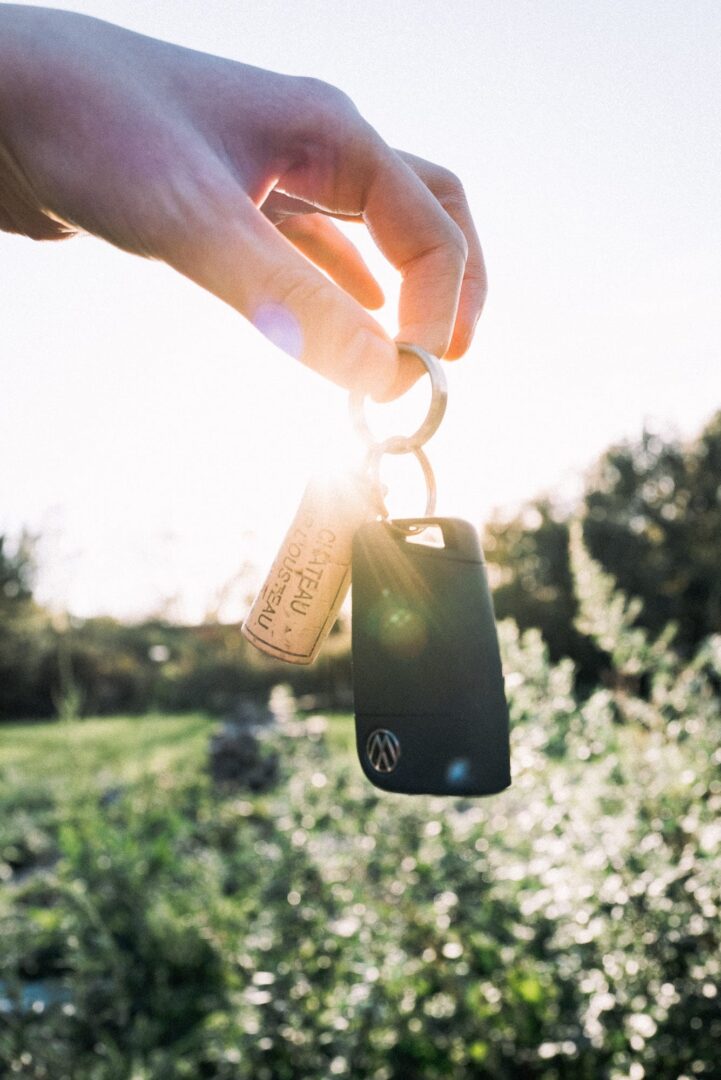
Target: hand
(232,175)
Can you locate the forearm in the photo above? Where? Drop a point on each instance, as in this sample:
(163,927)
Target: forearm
(21,207)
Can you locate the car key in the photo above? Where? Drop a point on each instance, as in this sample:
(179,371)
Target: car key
(430,708)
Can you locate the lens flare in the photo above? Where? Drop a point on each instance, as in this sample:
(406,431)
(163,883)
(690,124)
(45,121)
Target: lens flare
(458,771)
(281,327)
(402,631)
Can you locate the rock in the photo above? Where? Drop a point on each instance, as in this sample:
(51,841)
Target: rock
(111,796)
(238,759)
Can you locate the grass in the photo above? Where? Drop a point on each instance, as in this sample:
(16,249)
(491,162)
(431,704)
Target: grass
(340,734)
(72,759)
(78,757)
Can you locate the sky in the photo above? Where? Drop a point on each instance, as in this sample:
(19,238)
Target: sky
(157,443)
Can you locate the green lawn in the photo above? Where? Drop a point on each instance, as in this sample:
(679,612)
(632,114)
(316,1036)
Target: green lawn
(75,758)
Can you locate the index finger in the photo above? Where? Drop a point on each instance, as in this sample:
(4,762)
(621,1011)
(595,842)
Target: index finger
(425,245)
(358,174)
(448,189)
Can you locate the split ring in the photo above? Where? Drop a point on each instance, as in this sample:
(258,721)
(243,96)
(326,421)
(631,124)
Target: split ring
(374,460)
(404,444)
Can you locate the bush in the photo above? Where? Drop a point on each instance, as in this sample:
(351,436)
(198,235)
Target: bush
(568,928)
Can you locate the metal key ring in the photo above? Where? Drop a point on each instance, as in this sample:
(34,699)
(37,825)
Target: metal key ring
(373,461)
(404,444)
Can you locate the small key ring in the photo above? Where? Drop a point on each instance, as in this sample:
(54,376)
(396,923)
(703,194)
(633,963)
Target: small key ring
(405,444)
(373,462)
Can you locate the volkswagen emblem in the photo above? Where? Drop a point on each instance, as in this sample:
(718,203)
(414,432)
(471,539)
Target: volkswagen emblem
(383,749)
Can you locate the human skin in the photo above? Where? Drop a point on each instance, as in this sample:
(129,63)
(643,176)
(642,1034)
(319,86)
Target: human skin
(232,175)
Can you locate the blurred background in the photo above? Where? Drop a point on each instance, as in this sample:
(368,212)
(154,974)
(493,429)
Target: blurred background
(154,448)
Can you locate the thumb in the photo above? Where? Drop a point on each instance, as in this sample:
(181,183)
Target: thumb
(247,263)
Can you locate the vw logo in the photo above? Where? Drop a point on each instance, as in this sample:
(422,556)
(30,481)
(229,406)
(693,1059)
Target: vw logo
(383,749)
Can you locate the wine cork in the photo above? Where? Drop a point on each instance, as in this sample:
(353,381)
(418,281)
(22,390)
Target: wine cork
(300,599)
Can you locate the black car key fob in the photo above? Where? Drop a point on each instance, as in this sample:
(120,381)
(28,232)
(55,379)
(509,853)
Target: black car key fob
(430,708)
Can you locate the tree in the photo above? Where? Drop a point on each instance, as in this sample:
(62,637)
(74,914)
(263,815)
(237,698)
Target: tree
(17,571)
(25,636)
(528,559)
(651,516)
(653,519)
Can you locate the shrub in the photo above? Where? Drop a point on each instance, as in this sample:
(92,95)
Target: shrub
(568,928)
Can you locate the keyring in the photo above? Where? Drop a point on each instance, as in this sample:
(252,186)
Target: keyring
(373,462)
(404,444)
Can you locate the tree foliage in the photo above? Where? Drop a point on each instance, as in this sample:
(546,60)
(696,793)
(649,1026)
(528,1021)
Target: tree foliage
(24,634)
(651,516)
(70,667)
